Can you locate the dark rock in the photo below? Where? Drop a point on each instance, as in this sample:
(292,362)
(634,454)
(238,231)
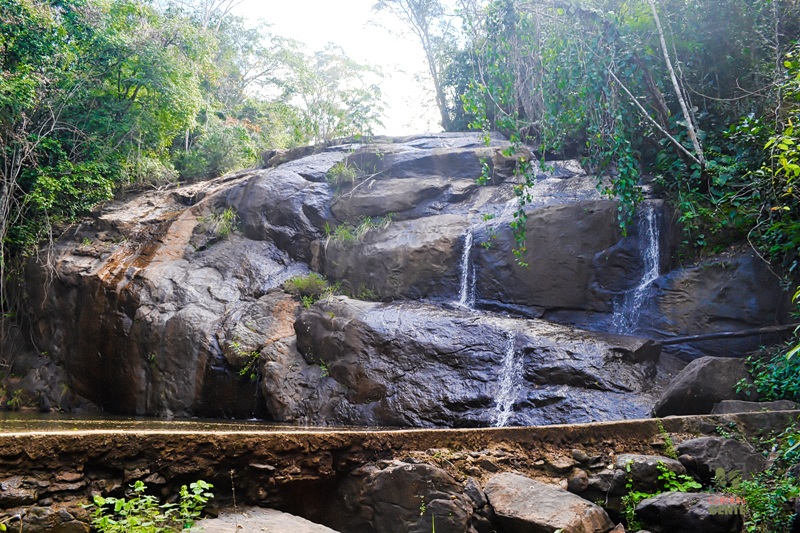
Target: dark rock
(562,242)
(720,295)
(578,481)
(16,491)
(411,259)
(401,498)
(376,197)
(474,492)
(258,519)
(387,364)
(57,518)
(701,385)
(644,471)
(688,513)
(280,206)
(709,455)
(740,406)
(522,505)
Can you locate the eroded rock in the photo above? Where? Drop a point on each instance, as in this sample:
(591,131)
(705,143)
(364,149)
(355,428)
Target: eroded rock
(402,498)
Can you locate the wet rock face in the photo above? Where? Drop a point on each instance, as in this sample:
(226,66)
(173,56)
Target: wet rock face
(420,365)
(170,303)
(719,295)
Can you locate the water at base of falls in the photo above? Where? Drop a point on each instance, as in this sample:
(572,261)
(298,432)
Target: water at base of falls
(509,384)
(627,309)
(466,293)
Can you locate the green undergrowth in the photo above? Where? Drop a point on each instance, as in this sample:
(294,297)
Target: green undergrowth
(350,233)
(670,482)
(143,513)
(769,496)
(311,288)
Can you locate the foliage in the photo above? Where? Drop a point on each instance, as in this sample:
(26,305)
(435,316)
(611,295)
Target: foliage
(221,224)
(335,96)
(142,513)
(693,93)
(250,368)
(769,495)
(775,376)
(348,233)
(670,482)
(311,288)
(341,174)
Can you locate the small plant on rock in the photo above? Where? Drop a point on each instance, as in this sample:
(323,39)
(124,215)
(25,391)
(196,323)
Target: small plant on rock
(221,224)
(341,174)
(311,288)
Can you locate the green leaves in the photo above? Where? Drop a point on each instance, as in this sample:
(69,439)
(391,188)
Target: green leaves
(142,513)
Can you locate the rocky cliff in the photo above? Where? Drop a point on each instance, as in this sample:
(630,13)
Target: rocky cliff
(176,303)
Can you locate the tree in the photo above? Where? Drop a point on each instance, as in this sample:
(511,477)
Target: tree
(428,21)
(336,96)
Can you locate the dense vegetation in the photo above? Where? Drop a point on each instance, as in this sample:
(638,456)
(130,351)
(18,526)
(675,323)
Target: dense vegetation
(700,98)
(100,94)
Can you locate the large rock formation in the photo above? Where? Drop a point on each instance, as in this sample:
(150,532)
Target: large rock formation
(171,302)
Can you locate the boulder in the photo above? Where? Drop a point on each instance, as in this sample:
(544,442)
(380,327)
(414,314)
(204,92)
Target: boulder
(16,491)
(708,456)
(740,406)
(413,364)
(701,385)
(281,206)
(400,497)
(644,471)
(523,505)
(689,513)
(258,519)
(408,259)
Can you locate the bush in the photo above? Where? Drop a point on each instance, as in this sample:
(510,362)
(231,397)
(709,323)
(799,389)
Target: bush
(342,174)
(142,513)
(776,376)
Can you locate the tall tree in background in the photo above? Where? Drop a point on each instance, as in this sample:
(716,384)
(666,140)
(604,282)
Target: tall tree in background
(429,22)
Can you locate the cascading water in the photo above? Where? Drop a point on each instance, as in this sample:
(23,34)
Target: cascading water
(626,313)
(466,293)
(509,384)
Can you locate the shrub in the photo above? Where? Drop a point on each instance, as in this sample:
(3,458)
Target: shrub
(775,376)
(221,224)
(342,174)
(142,513)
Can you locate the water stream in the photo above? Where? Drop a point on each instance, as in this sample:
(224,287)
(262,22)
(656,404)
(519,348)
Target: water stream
(627,309)
(466,293)
(510,384)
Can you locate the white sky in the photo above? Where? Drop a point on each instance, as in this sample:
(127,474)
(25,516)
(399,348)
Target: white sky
(350,24)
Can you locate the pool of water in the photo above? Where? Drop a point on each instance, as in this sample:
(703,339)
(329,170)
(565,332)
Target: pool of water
(23,422)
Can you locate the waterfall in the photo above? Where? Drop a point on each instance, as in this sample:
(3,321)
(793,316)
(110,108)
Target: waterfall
(626,311)
(466,293)
(509,384)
